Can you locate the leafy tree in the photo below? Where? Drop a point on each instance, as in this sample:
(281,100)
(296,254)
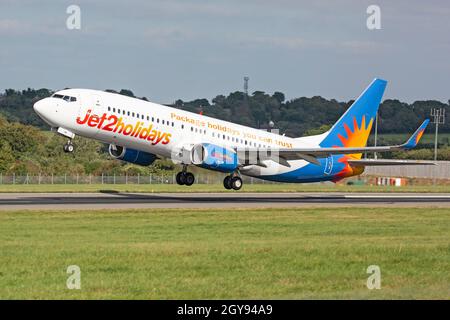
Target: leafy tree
(279,96)
(322,129)
(6,156)
(127,92)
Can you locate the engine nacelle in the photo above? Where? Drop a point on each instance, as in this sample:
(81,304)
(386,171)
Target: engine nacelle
(213,157)
(130,155)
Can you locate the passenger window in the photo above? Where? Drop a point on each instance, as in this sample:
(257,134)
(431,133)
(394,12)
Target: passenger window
(142,117)
(148,118)
(128,113)
(137,115)
(163,121)
(114,109)
(109,108)
(157,120)
(118,111)
(182,126)
(132,114)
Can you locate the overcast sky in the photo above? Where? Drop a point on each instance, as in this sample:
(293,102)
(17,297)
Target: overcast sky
(189,49)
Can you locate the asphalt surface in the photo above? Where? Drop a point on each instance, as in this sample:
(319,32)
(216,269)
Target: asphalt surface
(114,200)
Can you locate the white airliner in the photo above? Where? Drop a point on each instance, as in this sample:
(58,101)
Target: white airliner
(139,132)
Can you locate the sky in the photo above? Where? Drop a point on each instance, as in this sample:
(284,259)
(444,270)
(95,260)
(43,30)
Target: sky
(187,49)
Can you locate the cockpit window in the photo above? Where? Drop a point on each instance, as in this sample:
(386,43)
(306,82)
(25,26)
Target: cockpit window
(67,98)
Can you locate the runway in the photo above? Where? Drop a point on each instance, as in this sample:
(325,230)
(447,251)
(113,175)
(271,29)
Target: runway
(113,200)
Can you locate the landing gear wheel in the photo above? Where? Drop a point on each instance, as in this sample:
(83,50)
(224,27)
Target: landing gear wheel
(68,147)
(189,179)
(181,178)
(227,182)
(236,183)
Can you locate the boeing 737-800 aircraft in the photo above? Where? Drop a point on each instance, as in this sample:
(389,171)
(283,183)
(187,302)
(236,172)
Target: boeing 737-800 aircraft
(139,132)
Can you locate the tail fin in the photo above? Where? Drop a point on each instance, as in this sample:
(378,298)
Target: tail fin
(353,128)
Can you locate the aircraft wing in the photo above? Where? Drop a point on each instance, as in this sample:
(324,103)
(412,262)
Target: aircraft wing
(387,162)
(312,154)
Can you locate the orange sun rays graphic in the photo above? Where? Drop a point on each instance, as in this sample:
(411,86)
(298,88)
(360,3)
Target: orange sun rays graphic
(355,138)
(358,137)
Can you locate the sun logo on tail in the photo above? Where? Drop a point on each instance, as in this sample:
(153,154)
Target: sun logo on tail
(355,138)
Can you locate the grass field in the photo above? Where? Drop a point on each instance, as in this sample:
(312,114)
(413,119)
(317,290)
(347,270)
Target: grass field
(192,254)
(216,188)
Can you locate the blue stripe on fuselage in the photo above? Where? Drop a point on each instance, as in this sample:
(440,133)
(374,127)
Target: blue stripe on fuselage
(310,172)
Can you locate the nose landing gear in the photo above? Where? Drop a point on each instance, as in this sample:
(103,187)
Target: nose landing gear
(69,147)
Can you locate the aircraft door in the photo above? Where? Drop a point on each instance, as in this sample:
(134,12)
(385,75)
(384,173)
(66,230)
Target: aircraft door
(98,108)
(328,165)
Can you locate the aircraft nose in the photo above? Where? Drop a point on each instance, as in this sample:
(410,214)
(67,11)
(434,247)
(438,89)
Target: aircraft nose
(44,109)
(39,107)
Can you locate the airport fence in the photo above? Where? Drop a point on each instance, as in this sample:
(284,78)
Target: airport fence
(113,179)
(439,171)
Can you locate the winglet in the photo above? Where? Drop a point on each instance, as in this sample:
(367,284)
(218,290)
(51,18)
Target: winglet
(412,142)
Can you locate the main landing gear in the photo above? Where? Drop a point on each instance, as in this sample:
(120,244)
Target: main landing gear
(232,182)
(69,147)
(185,178)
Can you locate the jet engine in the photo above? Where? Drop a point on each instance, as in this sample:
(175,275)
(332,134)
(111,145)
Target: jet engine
(214,157)
(130,155)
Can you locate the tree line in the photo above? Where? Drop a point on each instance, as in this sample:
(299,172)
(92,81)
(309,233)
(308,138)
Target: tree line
(26,145)
(295,117)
